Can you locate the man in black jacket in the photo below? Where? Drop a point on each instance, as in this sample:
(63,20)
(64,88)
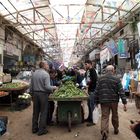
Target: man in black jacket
(91,79)
(108,91)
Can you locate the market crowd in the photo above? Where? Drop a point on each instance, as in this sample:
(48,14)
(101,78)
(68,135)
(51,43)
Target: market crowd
(105,90)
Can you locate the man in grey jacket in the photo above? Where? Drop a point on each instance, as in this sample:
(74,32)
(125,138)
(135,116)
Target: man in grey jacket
(107,93)
(40,89)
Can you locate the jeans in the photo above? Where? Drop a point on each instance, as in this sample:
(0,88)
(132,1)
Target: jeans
(91,105)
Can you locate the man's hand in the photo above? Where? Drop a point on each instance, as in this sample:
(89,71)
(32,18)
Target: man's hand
(124,107)
(55,87)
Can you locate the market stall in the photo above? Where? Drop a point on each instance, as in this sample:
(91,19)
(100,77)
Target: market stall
(3,93)
(12,90)
(69,104)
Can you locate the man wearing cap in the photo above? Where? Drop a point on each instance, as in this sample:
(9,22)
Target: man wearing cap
(108,91)
(40,89)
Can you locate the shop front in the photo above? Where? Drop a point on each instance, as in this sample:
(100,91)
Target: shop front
(10,64)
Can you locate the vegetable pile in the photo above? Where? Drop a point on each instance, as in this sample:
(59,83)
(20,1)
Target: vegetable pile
(3,93)
(24,96)
(13,85)
(68,90)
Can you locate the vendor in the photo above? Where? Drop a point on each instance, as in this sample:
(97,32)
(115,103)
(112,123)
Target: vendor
(53,82)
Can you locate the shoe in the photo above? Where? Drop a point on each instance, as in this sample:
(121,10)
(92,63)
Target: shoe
(50,123)
(42,132)
(104,137)
(35,131)
(116,131)
(90,124)
(86,120)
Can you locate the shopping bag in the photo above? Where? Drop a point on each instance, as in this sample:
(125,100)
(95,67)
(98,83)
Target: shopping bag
(95,115)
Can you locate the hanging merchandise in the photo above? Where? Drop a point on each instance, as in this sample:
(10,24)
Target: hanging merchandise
(138,25)
(30,59)
(122,44)
(104,55)
(126,81)
(139,75)
(137,57)
(111,45)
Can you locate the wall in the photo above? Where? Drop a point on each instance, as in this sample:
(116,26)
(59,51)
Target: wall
(10,45)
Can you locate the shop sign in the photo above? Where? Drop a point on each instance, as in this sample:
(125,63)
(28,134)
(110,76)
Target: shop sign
(122,45)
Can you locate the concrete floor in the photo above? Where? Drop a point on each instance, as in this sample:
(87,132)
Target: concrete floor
(19,127)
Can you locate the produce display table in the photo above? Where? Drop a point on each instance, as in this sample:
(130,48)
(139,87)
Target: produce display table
(14,92)
(4,94)
(69,110)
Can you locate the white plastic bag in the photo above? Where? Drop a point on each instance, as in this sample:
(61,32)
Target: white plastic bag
(95,115)
(84,84)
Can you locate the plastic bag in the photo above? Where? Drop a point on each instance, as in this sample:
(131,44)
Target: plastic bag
(84,84)
(95,115)
(2,127)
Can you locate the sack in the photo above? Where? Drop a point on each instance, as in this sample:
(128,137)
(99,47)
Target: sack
(21,104)
(2,127)
(95,115)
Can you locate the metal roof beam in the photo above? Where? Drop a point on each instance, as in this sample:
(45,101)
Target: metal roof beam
(95,22)
(106,6)
(40,19)
(27,9)
(63,39)
(29,24)
(87,4)
(38,16)
(100,28)
(36,30)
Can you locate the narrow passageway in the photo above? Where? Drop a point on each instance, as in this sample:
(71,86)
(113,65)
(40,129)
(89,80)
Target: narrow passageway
(44,43)
(19,127)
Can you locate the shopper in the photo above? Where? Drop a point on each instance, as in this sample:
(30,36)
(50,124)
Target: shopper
(91,79)
(137,97)
(126,82)
(135,127)
(40,88)
(107,93)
